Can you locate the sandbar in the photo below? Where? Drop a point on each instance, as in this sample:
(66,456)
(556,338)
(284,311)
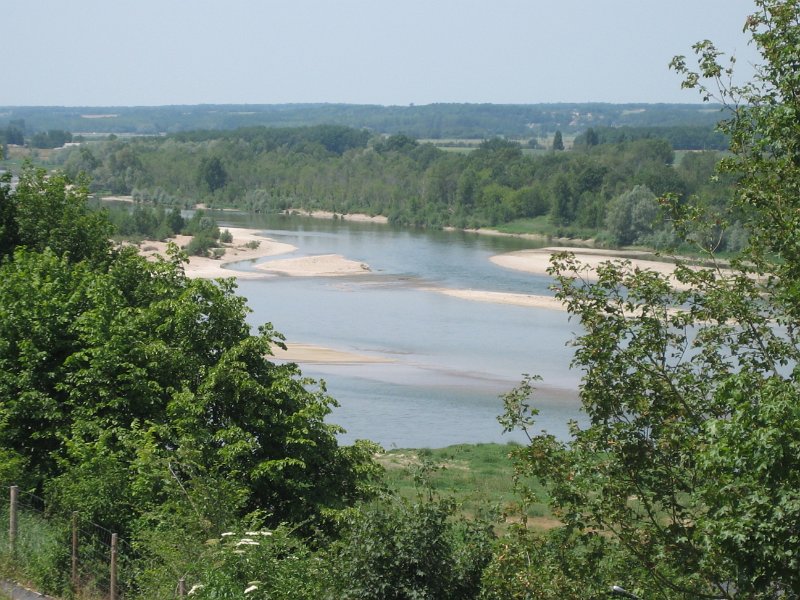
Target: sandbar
(526,300)
(537,261)
(309,353)
(325,214)
(236,251)
(128,199)
(321,265)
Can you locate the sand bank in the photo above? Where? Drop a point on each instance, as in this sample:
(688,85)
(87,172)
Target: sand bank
(308,353)
(527,300)
(323,265)
(324,214)
(237,250)
(537,261)
(536,237)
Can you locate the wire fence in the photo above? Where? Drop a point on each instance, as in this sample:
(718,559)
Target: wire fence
(60,553)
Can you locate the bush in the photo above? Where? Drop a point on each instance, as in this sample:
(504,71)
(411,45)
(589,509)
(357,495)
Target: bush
(397,549)
(200,245)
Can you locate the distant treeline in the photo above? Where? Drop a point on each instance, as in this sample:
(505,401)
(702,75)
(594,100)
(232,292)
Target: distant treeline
(14,133)
(604,190)
(432,121)
(680,137)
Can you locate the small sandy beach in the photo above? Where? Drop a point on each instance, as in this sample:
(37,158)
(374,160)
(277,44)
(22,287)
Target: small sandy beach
(324,214)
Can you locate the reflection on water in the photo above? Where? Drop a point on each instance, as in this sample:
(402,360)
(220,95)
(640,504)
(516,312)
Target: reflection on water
(451,358)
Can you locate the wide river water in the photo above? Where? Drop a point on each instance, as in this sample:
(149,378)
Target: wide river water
(448,360)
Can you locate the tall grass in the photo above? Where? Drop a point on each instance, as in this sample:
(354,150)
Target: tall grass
(42,553)
(41,556)
(479,477)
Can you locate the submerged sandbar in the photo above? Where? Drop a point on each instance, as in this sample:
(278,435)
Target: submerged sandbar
(310,353)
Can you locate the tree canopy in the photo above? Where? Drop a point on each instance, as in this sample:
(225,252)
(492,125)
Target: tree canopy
(408,181)
(126,386)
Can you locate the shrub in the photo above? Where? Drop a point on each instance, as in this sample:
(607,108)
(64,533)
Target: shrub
(200,245)
(398,549)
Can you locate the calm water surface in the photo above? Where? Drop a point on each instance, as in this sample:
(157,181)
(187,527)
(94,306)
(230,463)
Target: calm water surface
(451,359)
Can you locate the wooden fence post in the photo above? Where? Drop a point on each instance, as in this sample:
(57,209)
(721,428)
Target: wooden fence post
(74,573)
(113,586)
(12,520)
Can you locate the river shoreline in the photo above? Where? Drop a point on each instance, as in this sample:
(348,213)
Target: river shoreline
(251,245)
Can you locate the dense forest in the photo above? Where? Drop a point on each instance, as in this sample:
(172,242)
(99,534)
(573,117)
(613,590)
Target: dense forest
(608,191)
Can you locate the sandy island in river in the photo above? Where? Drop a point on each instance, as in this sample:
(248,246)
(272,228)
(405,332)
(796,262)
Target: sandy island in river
(240,249)
(526,300)
(537,261)
(321,265)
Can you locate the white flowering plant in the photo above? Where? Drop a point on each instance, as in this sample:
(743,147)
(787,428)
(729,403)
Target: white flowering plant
(260,564)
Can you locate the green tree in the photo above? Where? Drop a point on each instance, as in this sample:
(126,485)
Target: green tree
(8,221)
(558,141)
(14,135)
(562,200)
(53,138)
(127,388)
(592,138)
(632,215)
(212,173)
(50,211)
(688,463)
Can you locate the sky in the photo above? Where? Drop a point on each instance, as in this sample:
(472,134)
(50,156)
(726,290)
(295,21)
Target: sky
(164,52)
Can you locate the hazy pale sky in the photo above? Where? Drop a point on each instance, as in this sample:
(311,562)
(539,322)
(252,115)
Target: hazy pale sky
(157,52)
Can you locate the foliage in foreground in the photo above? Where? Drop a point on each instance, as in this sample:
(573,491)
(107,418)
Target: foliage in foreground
(139,396)
(387,549)
(689,468)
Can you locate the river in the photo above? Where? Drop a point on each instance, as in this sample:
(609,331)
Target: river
(448,360)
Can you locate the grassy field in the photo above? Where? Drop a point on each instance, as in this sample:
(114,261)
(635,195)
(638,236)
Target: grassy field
(542,225)
(479,477)
(17,155)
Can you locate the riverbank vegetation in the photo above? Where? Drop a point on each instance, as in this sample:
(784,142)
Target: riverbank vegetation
(607,191)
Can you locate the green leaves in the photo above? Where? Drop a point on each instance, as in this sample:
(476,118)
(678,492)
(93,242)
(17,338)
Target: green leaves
(127,379)
(51,212)
(688,465)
